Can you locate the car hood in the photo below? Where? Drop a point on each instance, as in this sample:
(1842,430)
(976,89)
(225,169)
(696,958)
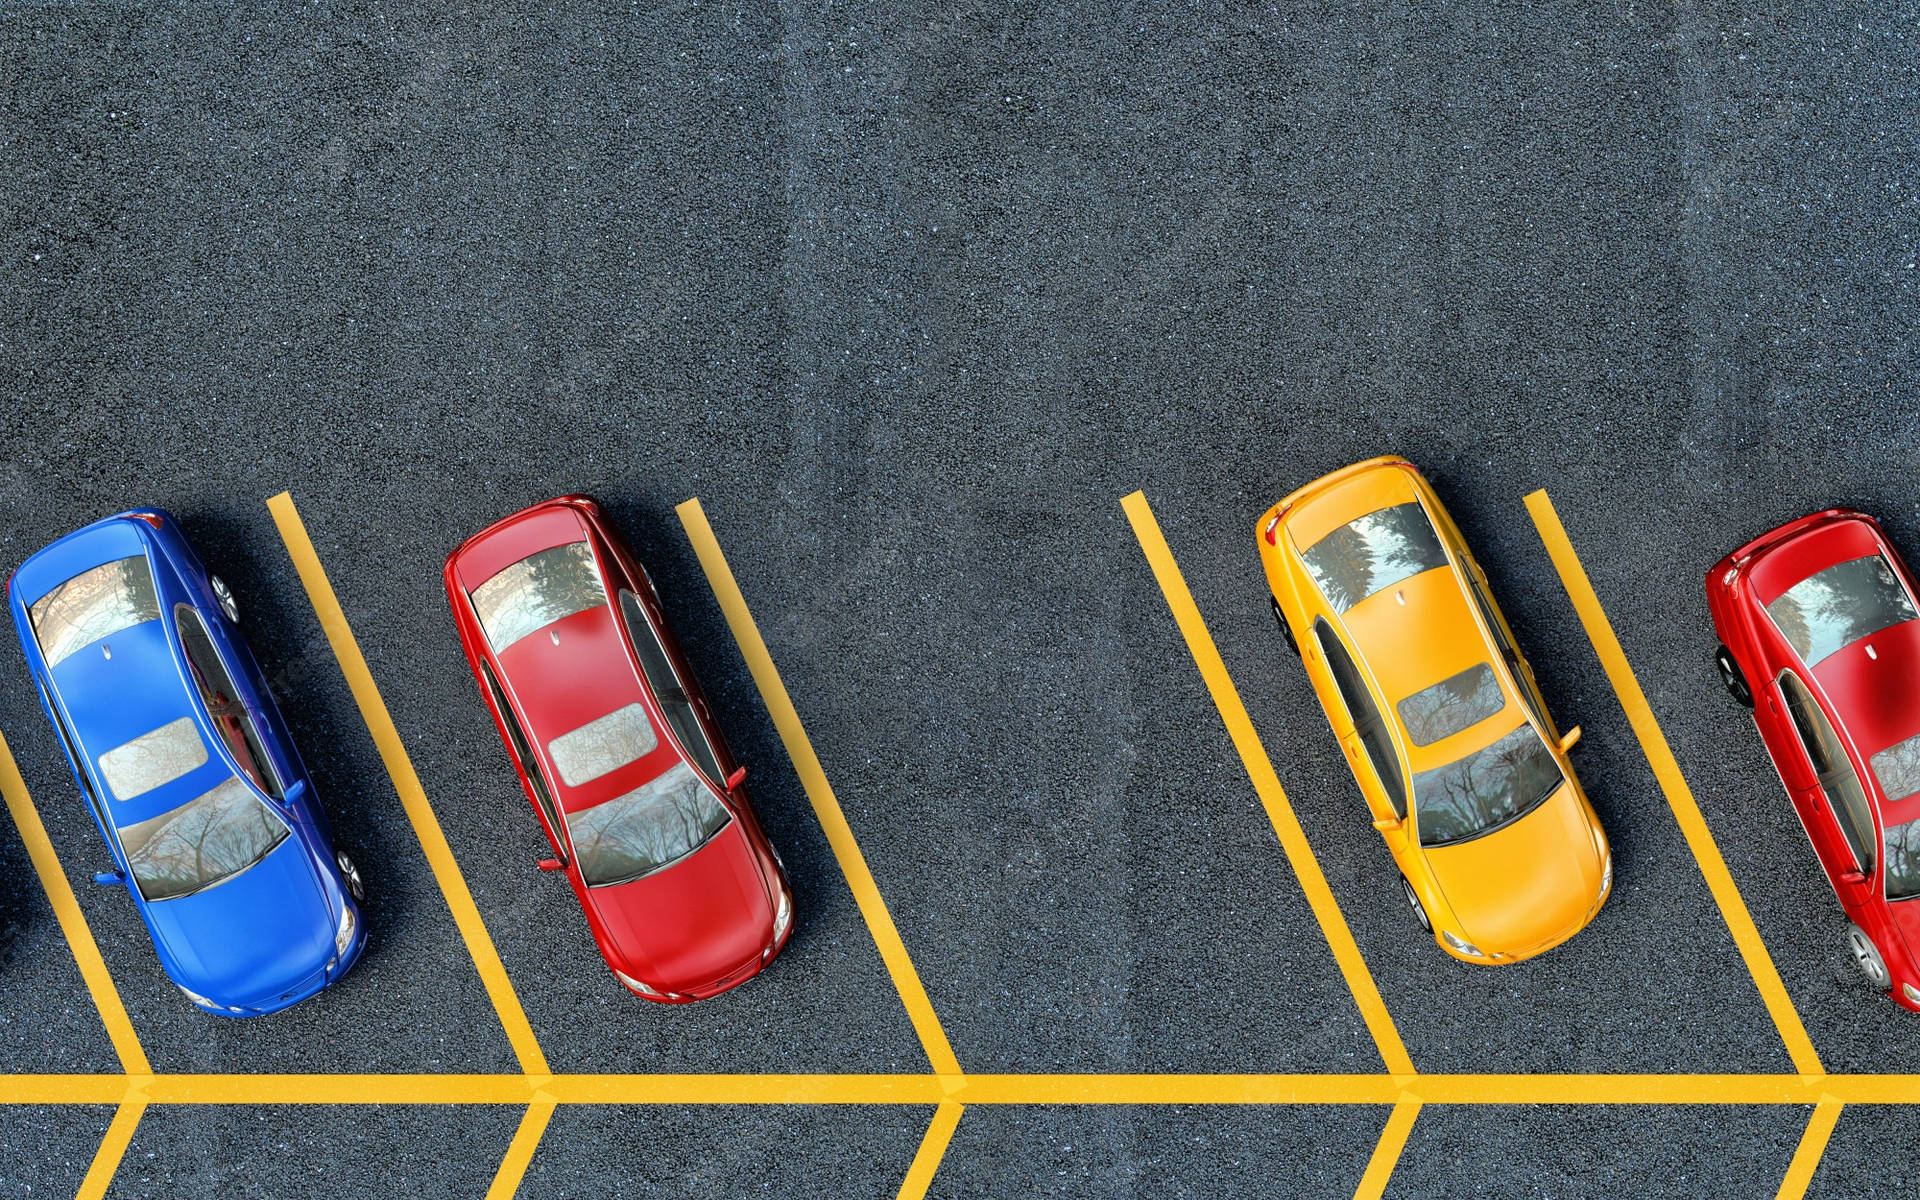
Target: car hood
(692,924)
(1526,883)
(245,941)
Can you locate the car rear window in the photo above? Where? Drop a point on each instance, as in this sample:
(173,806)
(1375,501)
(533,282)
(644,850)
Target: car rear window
(651,827)
(603,745)
(1485,789)
(137,767)
(1898,768)
(94,604)
(206,840)
(1903,861)
(1456,703)
(1839,606)
(1372,553)
(537,591)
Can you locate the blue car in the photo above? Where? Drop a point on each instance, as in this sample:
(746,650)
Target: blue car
(185,762)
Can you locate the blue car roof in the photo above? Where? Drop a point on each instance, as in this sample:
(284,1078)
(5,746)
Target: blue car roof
(112,698)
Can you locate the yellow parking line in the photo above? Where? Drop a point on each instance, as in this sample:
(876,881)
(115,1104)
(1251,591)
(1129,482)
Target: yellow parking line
(1679,797)
(929,1089)
(113,1147)
(933,1147)
(413,798)
(1813,1144)
(73,922)
(1386,1154)
(813,778)
(1266,784)
(526,1140)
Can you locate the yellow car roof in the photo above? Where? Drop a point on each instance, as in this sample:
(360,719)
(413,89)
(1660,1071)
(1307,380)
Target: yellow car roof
(1415,633)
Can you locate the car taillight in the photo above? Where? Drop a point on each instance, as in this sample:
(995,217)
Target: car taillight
(1273,527)
(152,519)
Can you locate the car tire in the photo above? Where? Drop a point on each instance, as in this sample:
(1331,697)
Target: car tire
(1419,909)
(224,594)
(356,887)
(1280,619)
(1866,959)
(1733,678)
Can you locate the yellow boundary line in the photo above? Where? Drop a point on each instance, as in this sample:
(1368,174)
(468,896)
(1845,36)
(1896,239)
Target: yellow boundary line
(1813,1144)
(413,798)
(113,1147)
(813,778)
(933,1147)
(974,1089)
(1693,826)
(1386,1153)
(519,1156)
(1293,839)
(73,922)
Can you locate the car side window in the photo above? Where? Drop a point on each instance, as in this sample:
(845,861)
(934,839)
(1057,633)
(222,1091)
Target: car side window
(73,756)
(1367,721)
(523,754)
(667,689)
(1838,780)
(222,699)
(1508,651)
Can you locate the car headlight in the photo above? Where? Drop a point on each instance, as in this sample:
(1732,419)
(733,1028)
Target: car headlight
(783,915)
(197,998)
(1462,945)
(1911,992)
(635,984)
(1606,875)
(344,934)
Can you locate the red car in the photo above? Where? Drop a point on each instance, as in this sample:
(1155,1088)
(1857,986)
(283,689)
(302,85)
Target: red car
(1820,636)
(616,748)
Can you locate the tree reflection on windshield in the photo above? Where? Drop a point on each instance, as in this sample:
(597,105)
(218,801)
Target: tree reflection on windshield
(1487,788)
(205,840)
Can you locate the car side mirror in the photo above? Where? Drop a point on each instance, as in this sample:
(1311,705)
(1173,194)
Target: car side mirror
(105,878)
(552,864)
(1387,824)
(1570,738)
(1852,877)
(297,794)
(738,777)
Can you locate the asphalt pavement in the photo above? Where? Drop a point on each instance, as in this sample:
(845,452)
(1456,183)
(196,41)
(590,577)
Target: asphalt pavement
(910,296)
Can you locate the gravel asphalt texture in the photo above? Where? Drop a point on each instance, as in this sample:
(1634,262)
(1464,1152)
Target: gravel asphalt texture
(911,296)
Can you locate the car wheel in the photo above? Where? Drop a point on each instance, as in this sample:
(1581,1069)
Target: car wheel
(1419,910)
(356,887)
(1280,619)
(1733,678)
(224,595)
(1866,958)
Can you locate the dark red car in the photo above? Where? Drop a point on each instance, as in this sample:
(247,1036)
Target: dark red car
(1820,636)
(616,748)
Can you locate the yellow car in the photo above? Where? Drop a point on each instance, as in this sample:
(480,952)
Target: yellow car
(1500,854)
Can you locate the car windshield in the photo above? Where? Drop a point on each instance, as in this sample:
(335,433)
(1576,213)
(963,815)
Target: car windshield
(1898,768)
(92,605)
(1456,703)
(206,840)
(1839,606)
(1485,789)
(537,591)
(137,767)
(1903,861)
(603,745)
(1372,553)
(653,826)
